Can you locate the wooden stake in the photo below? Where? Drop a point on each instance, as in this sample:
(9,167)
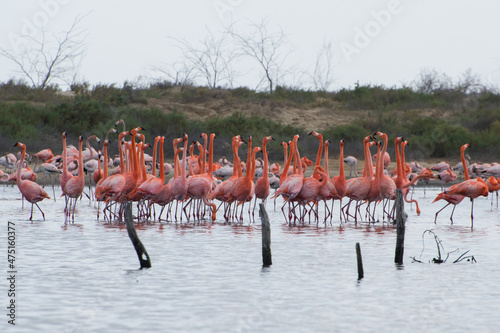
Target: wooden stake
(400,227)
(361,273)
(139,247)
(266,237)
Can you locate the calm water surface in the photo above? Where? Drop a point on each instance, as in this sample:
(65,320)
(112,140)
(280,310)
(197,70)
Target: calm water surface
(84,277)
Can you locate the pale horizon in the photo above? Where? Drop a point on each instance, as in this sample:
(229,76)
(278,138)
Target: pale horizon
(385,43)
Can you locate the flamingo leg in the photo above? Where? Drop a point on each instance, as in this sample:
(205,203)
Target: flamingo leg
(43,215)
(471,213)
(439,211)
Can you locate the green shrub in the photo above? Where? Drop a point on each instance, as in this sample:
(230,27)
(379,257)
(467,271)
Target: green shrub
(21,121)
(80,116)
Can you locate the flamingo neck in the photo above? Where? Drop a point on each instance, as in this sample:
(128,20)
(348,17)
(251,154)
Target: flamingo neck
(327,171)
(162,163)
(21,162)
(341,161)
(284,174)
(265,171)
(105,147)
(249,156)
(368,171)
(464,164)
(236,159)
(211,157)
(320,150)
(183,164)
(80,160)
(155,155)
(403,161)
(399,167)
(297,155)
(65,156)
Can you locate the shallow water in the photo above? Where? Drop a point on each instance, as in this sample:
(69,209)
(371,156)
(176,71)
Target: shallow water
(84,276)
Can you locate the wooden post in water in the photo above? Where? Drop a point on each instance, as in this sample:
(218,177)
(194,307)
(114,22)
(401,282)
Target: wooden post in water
(400,227)
(139,247)
(361,273)
(266,237)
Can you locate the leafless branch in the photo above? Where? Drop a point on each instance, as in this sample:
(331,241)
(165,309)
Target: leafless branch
(211,59)
(45,61)
(267,48)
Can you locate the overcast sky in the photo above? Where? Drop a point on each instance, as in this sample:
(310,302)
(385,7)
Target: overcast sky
(385,42)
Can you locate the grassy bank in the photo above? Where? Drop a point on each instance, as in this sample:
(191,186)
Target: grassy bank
(436,122)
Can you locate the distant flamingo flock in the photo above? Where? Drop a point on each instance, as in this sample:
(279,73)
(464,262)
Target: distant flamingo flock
(200,188)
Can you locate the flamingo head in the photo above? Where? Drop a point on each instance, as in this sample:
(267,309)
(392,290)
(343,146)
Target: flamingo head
(135,130)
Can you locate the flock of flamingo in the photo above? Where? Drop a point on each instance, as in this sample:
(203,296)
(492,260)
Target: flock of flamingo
(197,184)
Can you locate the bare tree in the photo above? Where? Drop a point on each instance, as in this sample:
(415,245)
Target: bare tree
(322,75)
(211,59)
(267,49)
(45,60)
(180,73)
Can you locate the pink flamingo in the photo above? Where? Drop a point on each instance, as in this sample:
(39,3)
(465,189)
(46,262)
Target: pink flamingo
(66,175)
(75,185)
(199,186)
(328,190)
(223,191)
(471,188)
(165,196)
(44,155)
(387,185)
(179,184)
(30,190)
(291,185)
(244,187)
(441,166)
(48,169)
(493,186)
(262,187)
(357,189)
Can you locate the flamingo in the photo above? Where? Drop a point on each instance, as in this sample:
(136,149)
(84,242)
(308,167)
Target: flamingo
(493,186)
(165,196)
(446,176)
(153,186)
(262,187)
(90,153)
(75,185)
(291,185)
(404,170)
(223,191)
(471,188)
(310,186)
(66,175)
(352,162)
(48,170)
(44,155)
(200,186)
(179,184)
(339,182)
(358,188)
(441,166)
(387,185)
(8,161)
(244,187)
(29,189)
